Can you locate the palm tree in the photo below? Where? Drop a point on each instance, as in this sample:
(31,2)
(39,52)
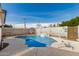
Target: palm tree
(38,25)
(50,25)
(24,23)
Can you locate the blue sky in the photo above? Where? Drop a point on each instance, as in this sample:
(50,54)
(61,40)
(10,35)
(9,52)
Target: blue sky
(40,12)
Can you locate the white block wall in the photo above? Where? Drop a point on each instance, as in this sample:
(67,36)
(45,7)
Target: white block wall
(59,31)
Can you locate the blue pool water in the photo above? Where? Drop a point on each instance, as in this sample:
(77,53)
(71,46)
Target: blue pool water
(37,41)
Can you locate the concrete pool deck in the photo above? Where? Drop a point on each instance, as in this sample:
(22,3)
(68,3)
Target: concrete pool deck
(47,51)
(15,46)
(18,48)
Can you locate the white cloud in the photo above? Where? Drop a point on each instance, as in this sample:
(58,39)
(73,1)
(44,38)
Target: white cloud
(28,25)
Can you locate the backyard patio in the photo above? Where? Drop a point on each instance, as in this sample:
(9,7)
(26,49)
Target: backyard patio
(17,47)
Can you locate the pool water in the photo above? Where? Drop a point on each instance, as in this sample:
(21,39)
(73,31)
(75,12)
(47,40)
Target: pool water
(37,41)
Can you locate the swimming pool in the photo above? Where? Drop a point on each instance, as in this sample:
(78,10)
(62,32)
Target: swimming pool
(37,41)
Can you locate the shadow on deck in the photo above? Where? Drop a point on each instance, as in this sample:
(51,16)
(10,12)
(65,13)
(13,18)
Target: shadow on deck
(4,46)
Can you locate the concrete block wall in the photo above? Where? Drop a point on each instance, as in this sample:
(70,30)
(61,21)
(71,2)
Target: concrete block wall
(54,31)
(78,32)
(16,31)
